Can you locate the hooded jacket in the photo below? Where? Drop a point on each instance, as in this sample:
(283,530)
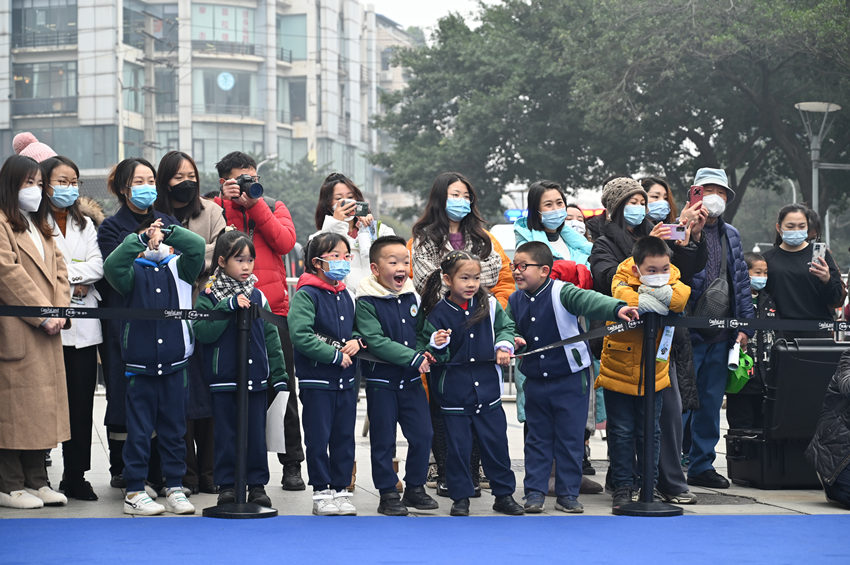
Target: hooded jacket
(621,366)
(578,245)
(273,233)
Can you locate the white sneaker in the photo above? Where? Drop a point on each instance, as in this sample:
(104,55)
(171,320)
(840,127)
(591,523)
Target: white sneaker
(20,499)
(342,499)
(177,503)
(323,503)
(49,496)
(140,504)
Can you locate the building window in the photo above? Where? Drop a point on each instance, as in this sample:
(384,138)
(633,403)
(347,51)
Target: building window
(225,24)
(134,83)
(225,92)
(40,23)
(292,99)
(166,91)
(292,37)
(44,88)
(387,58)
(163,22)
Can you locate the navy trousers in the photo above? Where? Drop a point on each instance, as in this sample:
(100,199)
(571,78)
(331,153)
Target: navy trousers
(556,414)
(491,427)
(625,436)
(407,407)
(155,403)
(224,415)
(328,417)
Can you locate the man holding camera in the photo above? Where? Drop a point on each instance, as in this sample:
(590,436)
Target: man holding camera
(270,227)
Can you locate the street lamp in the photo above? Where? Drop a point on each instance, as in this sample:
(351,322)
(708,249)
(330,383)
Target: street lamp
(809,113)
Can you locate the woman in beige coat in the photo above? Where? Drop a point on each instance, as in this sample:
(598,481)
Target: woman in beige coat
(178,194)
(33,394)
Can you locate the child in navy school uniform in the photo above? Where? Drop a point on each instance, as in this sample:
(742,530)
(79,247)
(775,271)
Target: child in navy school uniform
(232,287)
(459,328)
(558,381)
(321,322)
(145,271)
(386,317)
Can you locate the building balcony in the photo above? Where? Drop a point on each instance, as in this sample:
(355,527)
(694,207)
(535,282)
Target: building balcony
(40,106)
(222,47)
(28,39)
(228,110)
(284,55)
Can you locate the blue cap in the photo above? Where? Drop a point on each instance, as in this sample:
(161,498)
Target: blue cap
(714,176)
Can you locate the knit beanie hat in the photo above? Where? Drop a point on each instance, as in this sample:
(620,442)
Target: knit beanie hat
(26,144)
(618,190)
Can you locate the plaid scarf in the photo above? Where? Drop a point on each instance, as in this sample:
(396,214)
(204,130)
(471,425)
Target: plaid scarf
(224,286)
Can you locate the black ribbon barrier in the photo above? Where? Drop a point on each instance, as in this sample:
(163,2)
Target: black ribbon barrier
(650,323)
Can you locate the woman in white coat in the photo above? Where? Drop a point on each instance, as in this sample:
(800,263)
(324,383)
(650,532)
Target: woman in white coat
(74,231)
(336,213)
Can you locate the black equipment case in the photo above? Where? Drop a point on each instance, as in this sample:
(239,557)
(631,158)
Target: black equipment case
(799,372)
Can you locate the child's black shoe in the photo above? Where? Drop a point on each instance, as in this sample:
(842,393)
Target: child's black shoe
(226,496)
(507,505)
(258,495)
(442,488)
(460,507)
(416,497)
(391,505)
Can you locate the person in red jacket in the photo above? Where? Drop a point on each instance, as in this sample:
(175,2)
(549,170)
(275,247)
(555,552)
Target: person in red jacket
(270,227)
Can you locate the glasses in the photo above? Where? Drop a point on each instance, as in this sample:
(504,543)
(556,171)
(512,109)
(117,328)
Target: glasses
(521,267)
(64,183)
(336,257)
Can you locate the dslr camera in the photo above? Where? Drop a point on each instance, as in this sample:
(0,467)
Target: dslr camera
(248,186)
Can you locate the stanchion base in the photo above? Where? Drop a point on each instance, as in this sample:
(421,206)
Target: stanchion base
(234,510)
(657,509)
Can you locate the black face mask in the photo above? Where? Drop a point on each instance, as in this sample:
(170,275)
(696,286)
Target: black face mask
(184,191)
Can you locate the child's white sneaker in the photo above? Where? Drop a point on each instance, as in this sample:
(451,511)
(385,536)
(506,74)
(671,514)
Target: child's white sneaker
(323,503)
(20,499)
(49,496)
(177,503)
(342,499)
(140,504)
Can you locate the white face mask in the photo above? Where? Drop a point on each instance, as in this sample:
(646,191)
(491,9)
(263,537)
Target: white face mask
(715,205)
(29,198)
(656,280)
(158,254)
(577,225)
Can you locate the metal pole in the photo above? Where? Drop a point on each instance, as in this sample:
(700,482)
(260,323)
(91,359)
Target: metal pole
(815,159)
(241,508)
(647,506)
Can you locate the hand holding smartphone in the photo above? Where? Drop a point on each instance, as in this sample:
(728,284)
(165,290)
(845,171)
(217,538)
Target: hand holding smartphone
(695,194)
(677,232)
(818,251)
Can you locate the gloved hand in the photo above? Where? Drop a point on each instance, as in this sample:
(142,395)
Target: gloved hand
(661,293)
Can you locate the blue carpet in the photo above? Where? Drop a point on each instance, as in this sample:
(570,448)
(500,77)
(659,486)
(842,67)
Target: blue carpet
(483,540)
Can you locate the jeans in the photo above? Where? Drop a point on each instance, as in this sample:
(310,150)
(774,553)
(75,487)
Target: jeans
(839,491)
(625,435)
(711,372)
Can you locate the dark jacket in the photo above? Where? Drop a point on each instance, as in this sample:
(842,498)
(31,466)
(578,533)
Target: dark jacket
(110,234)
(156,347)
(265,355)
(829,450)
(739,279)
(319,313)
(760,345)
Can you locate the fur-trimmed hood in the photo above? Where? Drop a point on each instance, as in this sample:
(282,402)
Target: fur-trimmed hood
(90,207)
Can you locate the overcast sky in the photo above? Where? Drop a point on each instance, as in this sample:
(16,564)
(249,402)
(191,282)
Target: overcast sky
(422,13)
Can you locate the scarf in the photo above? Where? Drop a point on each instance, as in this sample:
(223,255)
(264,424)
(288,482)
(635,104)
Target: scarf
(224,286)
(370,286)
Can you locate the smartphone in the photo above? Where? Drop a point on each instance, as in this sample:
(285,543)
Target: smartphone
(818,251)
(677,232)
(361,208)
(695,194)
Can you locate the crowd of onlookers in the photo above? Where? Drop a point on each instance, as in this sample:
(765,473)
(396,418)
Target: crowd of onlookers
(424,325)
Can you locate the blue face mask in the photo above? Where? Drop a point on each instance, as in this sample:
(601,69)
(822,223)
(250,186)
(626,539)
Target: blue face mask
(658,210)
(758,282)
(142,196)
(338,269)
(553,218)
(634,214)
(457,208)
(64,196)
(794,237)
